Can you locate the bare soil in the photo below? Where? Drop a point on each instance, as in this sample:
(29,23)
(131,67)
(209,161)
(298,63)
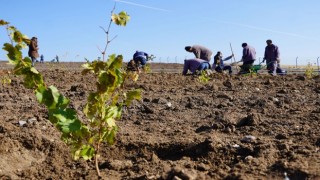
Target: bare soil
(237,127)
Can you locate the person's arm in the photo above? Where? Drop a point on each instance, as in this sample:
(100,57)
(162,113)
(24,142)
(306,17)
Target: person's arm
(196,53)
(277,53)
(147,56)
(244,53)
(265,54)
(227,58)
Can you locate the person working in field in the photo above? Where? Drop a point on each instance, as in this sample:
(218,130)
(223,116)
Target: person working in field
(140,59)
(272,57)
(248,58)
(195,65)
(218,64)
(200,52)
(33,50)
(41,58)
(57,58)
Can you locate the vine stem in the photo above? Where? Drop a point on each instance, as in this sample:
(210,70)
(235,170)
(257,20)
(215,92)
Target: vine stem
(107,33)
(96,160)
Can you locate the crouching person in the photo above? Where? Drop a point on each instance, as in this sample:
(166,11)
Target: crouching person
(218,64)
(194,65)
(140,59)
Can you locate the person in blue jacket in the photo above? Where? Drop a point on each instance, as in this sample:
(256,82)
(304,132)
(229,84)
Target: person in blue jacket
(140,59)
(218,64)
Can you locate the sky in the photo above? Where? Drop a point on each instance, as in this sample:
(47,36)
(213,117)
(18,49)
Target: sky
(72,29)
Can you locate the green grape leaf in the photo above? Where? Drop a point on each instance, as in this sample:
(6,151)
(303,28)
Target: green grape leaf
(95,67)
(3,22)
(110,136)
(113,112)
(32,77)
(115,62)
(18,37)
(51,98)
(14,53)
(92,105)
(34,70)
(106,80)
(65,119)
(69,126)
(110,60)
(132,95)
(87,152)
(40,94)
(120,19)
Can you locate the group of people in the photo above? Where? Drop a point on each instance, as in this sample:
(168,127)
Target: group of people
(201,61)
(203,56)
(33,52)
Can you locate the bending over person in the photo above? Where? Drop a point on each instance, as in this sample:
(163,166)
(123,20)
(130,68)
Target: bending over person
(194,65)
(200,52)
(248,58)
(140,59)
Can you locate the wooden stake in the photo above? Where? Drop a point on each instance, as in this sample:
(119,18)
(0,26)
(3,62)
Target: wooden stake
(234,59)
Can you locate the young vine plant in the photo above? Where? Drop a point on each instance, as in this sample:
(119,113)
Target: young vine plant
(103,107)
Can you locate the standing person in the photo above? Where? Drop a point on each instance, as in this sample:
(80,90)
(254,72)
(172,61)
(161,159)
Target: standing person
(41,58)
(57,58)
(248,58)
(33,50)
(195,65)
(271,55)
(140,59)
(218,64)
(200,52)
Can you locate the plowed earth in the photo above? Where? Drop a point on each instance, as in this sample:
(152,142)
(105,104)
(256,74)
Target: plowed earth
(237,127)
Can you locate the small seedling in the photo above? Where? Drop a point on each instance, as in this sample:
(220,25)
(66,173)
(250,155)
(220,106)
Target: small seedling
(310,71)
(204,76)
(103,107)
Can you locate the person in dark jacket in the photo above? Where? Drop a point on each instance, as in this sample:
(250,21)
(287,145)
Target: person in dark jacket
(200,52)
(140,59)
(248,58)
(41,58)
(33,50)
(272,57)
(218,64)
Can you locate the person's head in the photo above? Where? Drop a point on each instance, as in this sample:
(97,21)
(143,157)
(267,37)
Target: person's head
(219,53)
(244,45)
(188,48)
(269,42)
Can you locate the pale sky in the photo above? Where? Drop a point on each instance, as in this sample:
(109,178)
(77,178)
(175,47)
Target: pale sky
(71,29)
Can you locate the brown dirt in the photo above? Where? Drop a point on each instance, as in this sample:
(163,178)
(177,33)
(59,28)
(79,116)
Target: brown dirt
(181,129)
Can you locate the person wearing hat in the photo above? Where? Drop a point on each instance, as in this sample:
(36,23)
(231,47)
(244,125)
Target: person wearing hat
(200,52)
(33,50)
(272,57)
